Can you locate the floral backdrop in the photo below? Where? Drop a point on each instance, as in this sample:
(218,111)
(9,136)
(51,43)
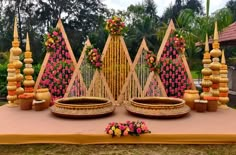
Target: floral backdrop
(171,67)
(59,68)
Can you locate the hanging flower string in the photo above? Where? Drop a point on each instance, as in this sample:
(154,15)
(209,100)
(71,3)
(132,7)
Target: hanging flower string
(59,69)
(115,26)
(129,128)
(94,57)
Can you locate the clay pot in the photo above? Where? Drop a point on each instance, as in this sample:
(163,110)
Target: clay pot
(43,94)
(26,101)
(190,96)
(200,105)
(212,103)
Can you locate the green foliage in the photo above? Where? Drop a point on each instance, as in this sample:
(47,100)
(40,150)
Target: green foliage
(3,80)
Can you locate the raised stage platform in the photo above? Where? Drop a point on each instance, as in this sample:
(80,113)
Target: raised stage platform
(22,127)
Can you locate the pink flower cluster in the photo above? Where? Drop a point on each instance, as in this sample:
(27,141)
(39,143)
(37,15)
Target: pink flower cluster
(94,57)
(52,38)
(172,70)
(129,128)
(58,70)
(151,61)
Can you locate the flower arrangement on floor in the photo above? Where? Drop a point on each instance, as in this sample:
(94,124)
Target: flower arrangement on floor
(171,68)
(129,128)
(151,61)
(115,26)
(93,57)
(59,69)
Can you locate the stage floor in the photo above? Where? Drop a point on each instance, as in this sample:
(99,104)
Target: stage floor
(22,127)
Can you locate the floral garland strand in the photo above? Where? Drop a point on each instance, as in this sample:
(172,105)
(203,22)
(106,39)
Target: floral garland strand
(115,26)
(93,57)
(129,128)
(59,69)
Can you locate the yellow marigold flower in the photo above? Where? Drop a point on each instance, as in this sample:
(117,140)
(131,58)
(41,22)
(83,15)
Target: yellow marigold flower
(113,128)
(50,40)
(117,132)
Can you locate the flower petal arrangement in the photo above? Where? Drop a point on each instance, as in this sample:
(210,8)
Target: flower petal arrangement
(94,57)
(59,68)
(129,128)
(115,26)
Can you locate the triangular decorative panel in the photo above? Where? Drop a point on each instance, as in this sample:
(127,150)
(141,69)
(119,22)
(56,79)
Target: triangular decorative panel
(138,75)
(116,64)
(174,72)
(82,75)
(57,67)
(99,87)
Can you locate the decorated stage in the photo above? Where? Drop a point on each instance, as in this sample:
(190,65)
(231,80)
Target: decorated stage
(27,127)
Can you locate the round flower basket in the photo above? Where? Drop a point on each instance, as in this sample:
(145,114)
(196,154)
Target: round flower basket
(26,101)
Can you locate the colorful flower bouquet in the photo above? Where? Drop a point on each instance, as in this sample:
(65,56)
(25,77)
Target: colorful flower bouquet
(52,38)
(151,61)
(179,42)
(129,128)
(115,26)
(94,57)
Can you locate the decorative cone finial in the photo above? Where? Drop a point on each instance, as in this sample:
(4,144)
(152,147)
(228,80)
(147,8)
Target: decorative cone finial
(223,57)
(216,35)
(15,34)
(206,44)
(27,43)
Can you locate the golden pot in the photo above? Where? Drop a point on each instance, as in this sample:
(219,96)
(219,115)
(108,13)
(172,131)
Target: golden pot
(28,60)
(43,94)
(11,98)
(16,51)
(215,79)
(215,92)
(223,89)
(19,90)
(13,78)
(11,88)
(206,71)
(223,100)
(19,77)
(224,80)
(28,71)
(28,83)
(17,64)
(215,66)
(190,96)
(206,83)
(215,53)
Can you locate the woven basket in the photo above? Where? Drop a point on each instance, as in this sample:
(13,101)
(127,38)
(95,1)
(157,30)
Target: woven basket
(26,104)
(39,105)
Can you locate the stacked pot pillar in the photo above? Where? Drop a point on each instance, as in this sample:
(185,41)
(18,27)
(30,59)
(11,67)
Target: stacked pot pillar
(224,90)
(206,71)
(28,70)
(15,59)
(215,65)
